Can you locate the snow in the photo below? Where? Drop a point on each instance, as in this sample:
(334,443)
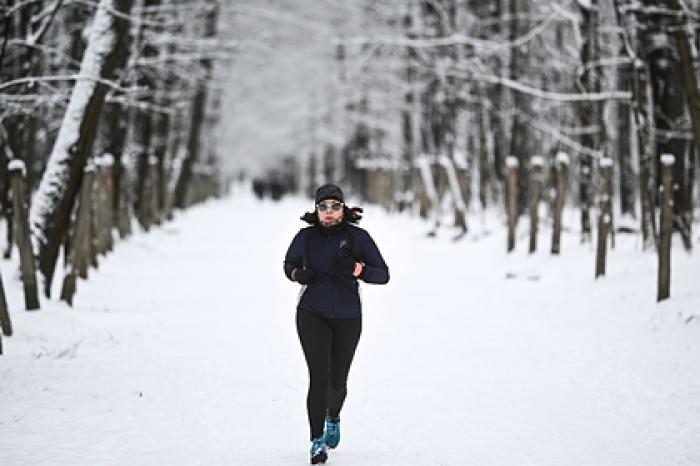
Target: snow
(181,350)
(562,158)
(17,165)
(460,160)
(605,162)
(537,161)
(668,159)
(106,160)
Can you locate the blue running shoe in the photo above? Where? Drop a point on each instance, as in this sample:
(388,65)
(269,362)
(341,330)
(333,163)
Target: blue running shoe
(319,451)
(332,434)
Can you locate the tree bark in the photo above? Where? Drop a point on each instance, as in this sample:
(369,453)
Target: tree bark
(80,249)
(536,181)
(5,322)
(521,142)
(193,144)
(625,156)
(590,113)
(666,223)
(562,164)
(512,190)
(604,216)
(17,171)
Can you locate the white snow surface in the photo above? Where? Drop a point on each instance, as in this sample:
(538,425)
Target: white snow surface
(181,350)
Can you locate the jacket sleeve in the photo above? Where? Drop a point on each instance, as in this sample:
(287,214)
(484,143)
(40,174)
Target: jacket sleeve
(295,255)
(375,269)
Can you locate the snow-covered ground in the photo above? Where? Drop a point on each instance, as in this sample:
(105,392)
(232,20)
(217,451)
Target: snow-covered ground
(181,350)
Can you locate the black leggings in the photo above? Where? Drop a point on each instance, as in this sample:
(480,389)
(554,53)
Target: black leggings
(329,346)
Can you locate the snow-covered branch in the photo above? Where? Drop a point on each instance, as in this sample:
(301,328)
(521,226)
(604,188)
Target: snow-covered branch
(72,77)
(540,93)
(480,45)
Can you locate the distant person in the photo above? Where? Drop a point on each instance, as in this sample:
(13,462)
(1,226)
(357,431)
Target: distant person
(259,188)
(328,258)
(276,190)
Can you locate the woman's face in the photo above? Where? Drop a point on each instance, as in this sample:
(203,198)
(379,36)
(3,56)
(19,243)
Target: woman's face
(330,212)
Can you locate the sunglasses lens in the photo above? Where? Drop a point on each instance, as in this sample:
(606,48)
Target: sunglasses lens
(335,207)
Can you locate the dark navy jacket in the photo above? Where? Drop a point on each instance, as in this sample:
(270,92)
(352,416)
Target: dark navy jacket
(330,294)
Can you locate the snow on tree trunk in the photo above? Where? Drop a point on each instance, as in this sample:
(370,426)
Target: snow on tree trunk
(53,202)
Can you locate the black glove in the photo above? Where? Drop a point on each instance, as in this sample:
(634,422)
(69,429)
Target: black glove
(303,276)
(345,265)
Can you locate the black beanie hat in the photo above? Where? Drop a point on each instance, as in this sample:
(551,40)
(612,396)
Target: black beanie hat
(328,191)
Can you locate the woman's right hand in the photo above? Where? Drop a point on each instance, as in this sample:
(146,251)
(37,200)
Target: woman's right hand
(303,276)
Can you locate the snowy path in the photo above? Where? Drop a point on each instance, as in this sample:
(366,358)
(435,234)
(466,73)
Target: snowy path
(181,350)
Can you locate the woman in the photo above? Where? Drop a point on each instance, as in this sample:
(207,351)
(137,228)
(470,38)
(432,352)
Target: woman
(327,259)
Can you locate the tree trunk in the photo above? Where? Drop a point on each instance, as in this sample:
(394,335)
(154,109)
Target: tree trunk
(200,99)
(626,159)
(80,249)
(521,142)
(512,193)
(604,215)
(590,113)
(536,181)
(666,223)
(684,202)
(17,171)
(5,323)
(642,111)
(562,164)
(55,197)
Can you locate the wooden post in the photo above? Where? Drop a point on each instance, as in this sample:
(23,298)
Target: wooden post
(5,322)
(512,167)
(536,181)
(104,194)
(17,173)
(666,223)
(604,215)
(154,182)
(100,198)
(78,261)
(83,235)
(123,216)
(562,164)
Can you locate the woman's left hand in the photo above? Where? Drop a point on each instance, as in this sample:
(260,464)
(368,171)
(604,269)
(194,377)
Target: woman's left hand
(358,269)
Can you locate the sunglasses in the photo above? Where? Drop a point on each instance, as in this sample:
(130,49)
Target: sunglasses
(335,207)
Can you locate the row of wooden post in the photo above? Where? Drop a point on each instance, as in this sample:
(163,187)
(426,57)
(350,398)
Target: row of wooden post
(93,226)
(94,223)
(605,212)
(536,189)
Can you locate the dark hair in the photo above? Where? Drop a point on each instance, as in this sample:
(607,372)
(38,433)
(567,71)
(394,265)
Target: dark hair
(350,215)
